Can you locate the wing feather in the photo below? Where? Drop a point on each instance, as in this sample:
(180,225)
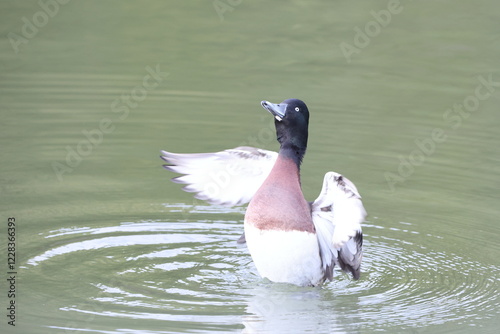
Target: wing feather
(337,215)
(229,177)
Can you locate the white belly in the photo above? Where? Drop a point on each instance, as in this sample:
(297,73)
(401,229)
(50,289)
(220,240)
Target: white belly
(285,256)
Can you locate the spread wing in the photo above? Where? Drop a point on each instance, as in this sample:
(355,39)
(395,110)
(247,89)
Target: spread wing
(229,177)
(337,215)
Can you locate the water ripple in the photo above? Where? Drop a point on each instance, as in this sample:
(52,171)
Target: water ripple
(192,276)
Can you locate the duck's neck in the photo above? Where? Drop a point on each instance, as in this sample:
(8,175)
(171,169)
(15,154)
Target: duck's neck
(292,152)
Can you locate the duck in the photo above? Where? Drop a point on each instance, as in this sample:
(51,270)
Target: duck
(290,240)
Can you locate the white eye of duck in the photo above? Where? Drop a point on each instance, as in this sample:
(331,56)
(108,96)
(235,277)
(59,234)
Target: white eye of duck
(297,108)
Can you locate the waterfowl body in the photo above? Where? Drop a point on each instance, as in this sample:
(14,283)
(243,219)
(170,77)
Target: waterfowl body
(289,239)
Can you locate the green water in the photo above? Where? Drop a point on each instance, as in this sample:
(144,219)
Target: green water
(403,99)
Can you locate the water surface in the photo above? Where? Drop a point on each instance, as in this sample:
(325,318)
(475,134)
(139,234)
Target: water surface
(106,244)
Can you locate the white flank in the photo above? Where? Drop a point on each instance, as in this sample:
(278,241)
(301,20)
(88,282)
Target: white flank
(285,256)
